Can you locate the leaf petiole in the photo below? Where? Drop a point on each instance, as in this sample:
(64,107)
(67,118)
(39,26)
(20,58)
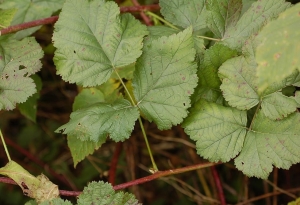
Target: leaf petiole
(149,13)
(141,124)
(4,145)
(209,38)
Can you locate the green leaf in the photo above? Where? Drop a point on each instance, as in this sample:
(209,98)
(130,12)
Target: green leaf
(95,122)
(252,21)
(270,143)
(239,87)
(278,54)
(209,83)
(56,201)
(87,97)
(29,108)
(80,149)
(6,17)
(222,15)
(184,13)
(101,193)
(90,46)
(219,131)
(239,83)
(165,77)
(18,60)
(277,106)
(28,10)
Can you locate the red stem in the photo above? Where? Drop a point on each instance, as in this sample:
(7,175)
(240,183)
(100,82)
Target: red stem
(146,19)
(218,185)
(37,161)
(162,174)
(114,163)
(53,19)
(134,182)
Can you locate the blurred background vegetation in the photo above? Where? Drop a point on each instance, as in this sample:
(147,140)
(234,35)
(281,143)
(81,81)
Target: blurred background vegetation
(39,149)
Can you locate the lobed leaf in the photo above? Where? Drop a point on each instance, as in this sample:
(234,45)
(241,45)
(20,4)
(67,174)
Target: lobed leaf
(97,121)
(222,15)
(252,21)
(270,143)
(93,39)
(103,193)
(18,60)
(29,10)
(278,54)
(219,131)
(165,77)
(184,13)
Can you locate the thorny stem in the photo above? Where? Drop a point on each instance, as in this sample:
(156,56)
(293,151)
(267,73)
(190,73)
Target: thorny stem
(53,19)
(141,124)
(4,145)
(149,13)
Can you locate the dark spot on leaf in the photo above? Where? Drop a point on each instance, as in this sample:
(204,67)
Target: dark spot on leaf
(83,49)
(75,52)
(183,78)
(1,57)
(150,73)
(183,104)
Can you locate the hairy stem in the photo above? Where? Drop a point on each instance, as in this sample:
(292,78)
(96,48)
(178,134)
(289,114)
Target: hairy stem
(149,13)
(4,145)
(141,123)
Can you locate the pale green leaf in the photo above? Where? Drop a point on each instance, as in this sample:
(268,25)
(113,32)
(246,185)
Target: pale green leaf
(222,15)
(46,190)
(80,149)
(93,39)
(209,83)
(29,108)
(270,143)
(252,21)
(297,97)
(165,77)
(18,60)
(277,106)
(56,201)
(101,193)
(29,10)
(239,83)
(278,54)
(6,16)
(219,131)
(97,121)
(184,13)
(87,97)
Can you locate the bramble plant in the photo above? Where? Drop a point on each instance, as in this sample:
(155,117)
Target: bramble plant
(227,71)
